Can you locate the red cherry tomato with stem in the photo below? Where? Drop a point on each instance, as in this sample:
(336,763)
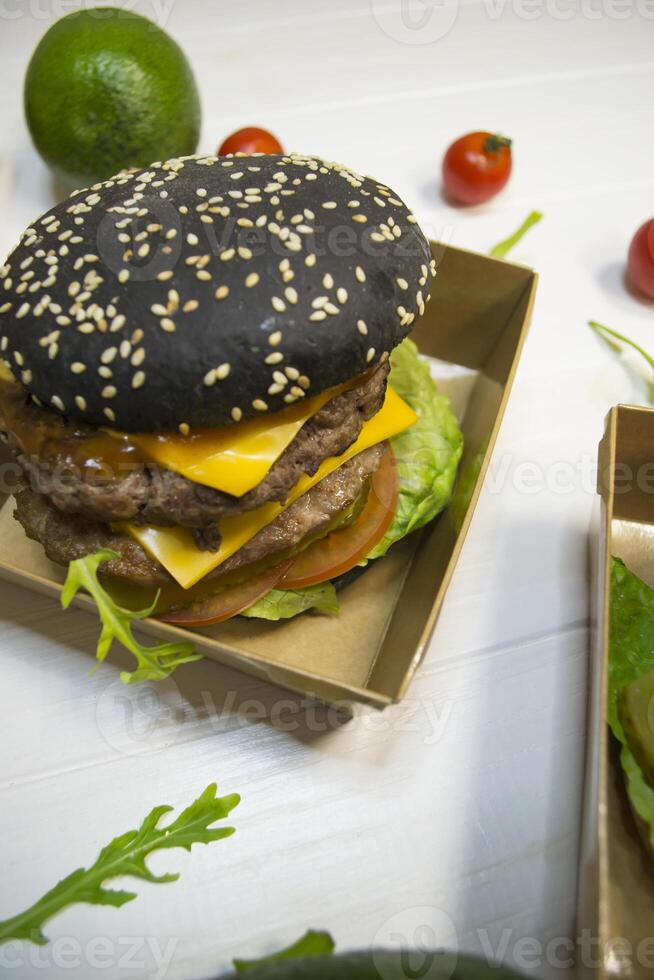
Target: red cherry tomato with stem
(251,139)
(640,261)
(476,167)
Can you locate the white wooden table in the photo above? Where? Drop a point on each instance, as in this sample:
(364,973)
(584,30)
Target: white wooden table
(465,800)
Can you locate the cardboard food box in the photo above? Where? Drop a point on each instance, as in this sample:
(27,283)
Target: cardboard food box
(616,882)
(473,329)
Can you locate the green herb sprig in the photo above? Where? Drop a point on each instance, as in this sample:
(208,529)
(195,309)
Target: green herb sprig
(153,663)
(502,249)
(125,855)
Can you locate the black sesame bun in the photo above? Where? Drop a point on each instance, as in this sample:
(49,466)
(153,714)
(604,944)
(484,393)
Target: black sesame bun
(205,290)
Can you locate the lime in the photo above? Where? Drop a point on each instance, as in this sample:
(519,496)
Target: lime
(107,89)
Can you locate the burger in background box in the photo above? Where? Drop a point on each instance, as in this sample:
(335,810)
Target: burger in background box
(205,373)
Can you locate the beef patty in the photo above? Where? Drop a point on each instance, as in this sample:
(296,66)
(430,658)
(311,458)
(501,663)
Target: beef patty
(150,494)
(66,537)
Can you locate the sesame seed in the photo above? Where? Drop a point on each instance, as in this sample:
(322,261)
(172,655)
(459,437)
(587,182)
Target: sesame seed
(138,357)
(402,283)
(22,310)
(252,279)
(275,338)
(274,358)
(167,324)
(329,205)
(328,281)
(290,294)
(292,373)
(278,304)
(279,377)
(362,328)
(209,378)
(318,315)
(110,414)
(138,379)
(203,275)
(227,255)
(260,405)
(275,389)
(341,295)
(370,353)
(310,260)
(360,274)
(222,371)
(184,428)
(165,275)
(360,218)
(236,414)
(80,402)
(222,292)
(123,276)
(57,402)
(77,367)
(108,355)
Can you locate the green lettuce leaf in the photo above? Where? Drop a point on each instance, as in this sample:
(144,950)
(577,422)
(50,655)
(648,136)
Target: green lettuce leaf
(286,603)
(631,654)
(312,943)
(125,855)
(427,454)
(153,663)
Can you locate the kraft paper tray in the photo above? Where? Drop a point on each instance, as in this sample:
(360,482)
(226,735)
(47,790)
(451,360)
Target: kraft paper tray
(474,327)
(616,883)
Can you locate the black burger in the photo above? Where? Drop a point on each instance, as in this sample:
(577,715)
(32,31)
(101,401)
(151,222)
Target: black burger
(195,378)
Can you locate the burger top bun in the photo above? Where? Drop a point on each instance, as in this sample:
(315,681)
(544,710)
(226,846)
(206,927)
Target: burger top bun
(207,290)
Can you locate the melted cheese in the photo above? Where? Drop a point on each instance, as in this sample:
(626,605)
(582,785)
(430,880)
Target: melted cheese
(175,549)
(236,458)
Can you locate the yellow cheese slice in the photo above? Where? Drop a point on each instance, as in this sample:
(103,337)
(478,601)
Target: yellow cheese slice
(235,458)
(175,549)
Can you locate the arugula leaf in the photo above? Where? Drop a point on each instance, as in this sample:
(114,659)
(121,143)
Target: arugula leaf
(312,943)
(285,603)
(153,663)
(125,855)
(427,454)
(502,249)
(631,654)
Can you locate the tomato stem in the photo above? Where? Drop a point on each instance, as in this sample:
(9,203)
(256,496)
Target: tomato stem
(494,143)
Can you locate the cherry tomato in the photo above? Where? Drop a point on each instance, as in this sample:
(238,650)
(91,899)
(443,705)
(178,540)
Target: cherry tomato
(230,602)
(251,139)
(640,261)
(476,167)
(342,550)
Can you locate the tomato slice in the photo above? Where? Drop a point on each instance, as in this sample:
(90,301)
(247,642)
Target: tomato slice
(342,550)
(230,602)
